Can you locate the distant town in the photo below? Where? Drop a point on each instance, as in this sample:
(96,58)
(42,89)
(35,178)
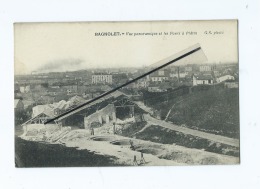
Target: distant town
(48,88)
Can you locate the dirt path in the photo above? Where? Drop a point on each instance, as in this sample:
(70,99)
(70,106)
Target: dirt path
(171,110)
(209,136)
(142,106)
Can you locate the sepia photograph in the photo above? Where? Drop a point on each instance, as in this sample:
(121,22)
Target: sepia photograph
(147,93)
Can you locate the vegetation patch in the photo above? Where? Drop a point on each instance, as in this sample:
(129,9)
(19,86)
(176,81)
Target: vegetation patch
(215,110)
(158,134)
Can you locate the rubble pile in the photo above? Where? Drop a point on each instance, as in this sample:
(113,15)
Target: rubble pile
(56,136)
(49,133)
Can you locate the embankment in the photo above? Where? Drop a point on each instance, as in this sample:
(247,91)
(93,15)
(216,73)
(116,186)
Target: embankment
(162,135)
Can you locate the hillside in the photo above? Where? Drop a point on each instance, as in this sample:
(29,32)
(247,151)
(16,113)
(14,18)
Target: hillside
(215,110)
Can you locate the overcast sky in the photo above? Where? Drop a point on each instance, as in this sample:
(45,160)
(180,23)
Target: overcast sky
(72,46)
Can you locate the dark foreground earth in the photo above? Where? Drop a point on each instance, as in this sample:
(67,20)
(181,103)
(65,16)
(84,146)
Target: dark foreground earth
(35,154)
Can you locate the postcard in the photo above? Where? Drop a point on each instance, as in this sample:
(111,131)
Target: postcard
(150,93)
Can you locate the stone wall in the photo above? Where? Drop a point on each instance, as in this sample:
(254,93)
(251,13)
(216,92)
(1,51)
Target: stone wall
(35,129)
(105,115)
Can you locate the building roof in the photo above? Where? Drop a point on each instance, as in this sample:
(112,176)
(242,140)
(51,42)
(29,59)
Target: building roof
(156,74)
(16,101)
(101,73)
(41,108)
(76,100)
(49,113)
(223,75)
(27,103)
(62,105)
(231,81)
(115,94)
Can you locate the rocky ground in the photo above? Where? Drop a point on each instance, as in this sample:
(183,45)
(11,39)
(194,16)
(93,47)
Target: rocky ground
(118,148)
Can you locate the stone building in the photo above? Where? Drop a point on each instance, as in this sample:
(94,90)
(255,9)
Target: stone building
(102,78)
